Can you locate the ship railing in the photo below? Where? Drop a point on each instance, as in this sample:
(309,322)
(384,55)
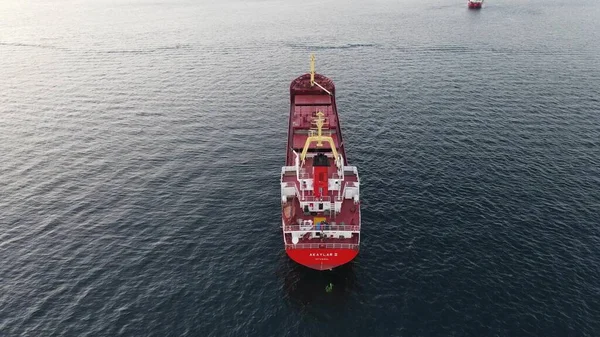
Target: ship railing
(315,199)
(310,176)
(322,246)
(322,228)
(352,169)
(305,176)
(285,169)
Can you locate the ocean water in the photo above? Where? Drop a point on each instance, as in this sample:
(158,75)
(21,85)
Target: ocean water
(141,143)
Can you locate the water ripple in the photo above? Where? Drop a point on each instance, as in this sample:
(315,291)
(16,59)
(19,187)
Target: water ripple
(140,162)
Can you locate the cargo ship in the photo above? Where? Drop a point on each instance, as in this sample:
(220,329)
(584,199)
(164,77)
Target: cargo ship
(320,192)
(475,4)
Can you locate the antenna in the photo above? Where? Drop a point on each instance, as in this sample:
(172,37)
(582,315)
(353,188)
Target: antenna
(312,70)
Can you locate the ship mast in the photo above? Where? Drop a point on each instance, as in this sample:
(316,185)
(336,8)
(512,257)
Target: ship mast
(312,70)
(312,75)
(319,121)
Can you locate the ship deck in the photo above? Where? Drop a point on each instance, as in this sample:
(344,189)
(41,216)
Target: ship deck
(347,220)
(306,102)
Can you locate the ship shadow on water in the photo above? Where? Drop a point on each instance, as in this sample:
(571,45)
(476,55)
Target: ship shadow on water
(305,288)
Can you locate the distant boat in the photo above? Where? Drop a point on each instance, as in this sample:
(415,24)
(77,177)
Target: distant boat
(475,4)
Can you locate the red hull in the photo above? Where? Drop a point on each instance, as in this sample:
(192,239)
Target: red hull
(322,259)
(475,5)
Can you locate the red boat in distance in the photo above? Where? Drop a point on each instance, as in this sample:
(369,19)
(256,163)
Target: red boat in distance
(475,4)
(320,192)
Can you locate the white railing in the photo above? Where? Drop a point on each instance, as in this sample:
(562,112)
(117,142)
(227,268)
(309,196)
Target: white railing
(285,169)
(353,190)
(323,228)
(288,184)
(353,169)
(354,246)
(314,199)
(305,176)
(288,189)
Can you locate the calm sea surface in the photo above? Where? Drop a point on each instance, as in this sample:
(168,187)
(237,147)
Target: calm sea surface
(141,143)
